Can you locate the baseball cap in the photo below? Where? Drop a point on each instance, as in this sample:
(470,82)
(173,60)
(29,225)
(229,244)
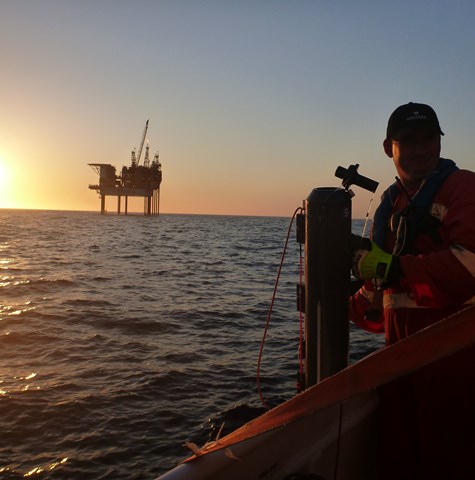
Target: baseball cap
(412,116)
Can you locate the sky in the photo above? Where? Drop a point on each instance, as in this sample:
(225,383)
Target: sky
(251,103)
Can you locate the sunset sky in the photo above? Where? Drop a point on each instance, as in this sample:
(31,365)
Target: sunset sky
(252,103)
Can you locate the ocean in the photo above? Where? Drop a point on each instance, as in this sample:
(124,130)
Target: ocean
(123,337)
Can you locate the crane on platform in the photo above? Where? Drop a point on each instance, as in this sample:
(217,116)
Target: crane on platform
(136,158)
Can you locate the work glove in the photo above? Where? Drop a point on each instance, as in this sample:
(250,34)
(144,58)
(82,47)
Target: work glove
(369,261)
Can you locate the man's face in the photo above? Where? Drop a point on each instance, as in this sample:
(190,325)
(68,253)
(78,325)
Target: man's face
(415,154)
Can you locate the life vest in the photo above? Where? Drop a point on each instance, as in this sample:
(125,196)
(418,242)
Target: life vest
(415,219)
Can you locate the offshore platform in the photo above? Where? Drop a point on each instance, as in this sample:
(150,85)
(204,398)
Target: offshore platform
(134,181)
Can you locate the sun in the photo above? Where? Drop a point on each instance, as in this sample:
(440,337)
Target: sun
(5,183)
(3,173)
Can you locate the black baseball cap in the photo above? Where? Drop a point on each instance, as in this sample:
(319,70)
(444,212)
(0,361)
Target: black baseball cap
(412,116)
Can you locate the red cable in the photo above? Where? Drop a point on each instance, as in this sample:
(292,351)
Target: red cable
(258,378)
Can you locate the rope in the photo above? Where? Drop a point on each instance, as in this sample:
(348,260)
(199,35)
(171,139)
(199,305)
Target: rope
(269,314)
(367,215)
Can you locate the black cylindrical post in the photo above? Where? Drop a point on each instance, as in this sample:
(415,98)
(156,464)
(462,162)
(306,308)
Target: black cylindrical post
(327,277)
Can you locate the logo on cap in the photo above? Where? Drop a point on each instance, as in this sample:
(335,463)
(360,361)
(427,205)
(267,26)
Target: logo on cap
(417,116)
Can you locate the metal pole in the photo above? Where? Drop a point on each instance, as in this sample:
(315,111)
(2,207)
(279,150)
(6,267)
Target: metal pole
(327,277)
(149,205)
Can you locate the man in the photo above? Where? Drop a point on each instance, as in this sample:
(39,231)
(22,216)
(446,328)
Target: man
(420,266)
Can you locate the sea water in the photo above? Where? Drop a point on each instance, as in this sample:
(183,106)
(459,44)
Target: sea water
(123,337)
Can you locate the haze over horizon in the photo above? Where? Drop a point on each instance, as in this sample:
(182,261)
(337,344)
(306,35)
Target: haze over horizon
(251,104)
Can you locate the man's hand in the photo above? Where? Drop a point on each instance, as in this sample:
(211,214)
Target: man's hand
(371,262)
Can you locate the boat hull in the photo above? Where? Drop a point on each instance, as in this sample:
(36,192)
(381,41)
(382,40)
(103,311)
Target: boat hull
(335,428)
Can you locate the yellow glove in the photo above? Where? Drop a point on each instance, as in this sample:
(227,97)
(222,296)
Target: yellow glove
(369,261)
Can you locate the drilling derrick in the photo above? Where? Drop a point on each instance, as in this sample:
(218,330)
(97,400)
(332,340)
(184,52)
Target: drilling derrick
(146,160)
(134,181)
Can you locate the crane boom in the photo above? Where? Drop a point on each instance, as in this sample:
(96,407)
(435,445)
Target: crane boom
(142,142)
